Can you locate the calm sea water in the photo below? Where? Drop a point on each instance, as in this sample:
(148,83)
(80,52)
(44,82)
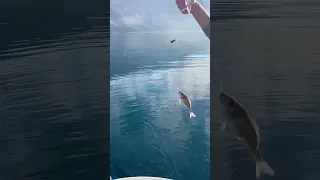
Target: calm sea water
(151,134)
(267,55)
(53,91)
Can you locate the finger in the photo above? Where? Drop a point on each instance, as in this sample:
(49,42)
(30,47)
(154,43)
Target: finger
(181,4)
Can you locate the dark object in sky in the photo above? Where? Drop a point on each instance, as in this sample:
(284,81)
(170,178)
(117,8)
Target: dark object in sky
(173,41)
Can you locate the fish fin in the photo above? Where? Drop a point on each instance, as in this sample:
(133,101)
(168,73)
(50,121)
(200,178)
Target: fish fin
(223,126)
(192,115)
(239,138)
(180,101)
(263,168)
(255,126)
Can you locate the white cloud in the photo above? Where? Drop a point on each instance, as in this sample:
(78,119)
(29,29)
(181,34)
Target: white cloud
(112,22)
(134,20)
(164,14)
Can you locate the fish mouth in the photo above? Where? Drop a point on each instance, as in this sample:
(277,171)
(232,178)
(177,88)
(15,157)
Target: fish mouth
(223,98)
(181,95)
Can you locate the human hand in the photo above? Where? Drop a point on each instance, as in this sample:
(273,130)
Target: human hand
(184,5)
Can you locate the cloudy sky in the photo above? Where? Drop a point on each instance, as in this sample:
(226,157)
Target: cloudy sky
(152,14)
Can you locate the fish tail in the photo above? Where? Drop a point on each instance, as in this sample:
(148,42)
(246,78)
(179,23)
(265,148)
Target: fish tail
(192,114)
(263,168)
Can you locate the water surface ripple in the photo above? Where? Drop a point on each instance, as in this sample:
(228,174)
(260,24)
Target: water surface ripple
(151,133)
(53,104)
(267,55)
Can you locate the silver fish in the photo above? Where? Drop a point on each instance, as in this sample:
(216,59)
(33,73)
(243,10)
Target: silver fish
(186,101)
(246,129)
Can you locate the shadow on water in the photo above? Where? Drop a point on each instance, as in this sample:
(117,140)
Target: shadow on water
(271,65)
(151,133)
(53,59)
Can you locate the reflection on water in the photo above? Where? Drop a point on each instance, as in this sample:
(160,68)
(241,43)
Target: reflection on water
(53,100)
(151,133)
(271,65)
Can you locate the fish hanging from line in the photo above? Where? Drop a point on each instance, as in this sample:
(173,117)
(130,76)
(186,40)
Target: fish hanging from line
(186,101)
(246,129)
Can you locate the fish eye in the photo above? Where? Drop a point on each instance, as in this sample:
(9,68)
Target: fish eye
(222,94)
(231,103)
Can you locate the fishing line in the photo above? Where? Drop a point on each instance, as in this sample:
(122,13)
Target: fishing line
(188,7)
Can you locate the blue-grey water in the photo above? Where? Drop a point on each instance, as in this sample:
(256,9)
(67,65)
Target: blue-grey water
(53,90)
(267,55)
(151,134)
